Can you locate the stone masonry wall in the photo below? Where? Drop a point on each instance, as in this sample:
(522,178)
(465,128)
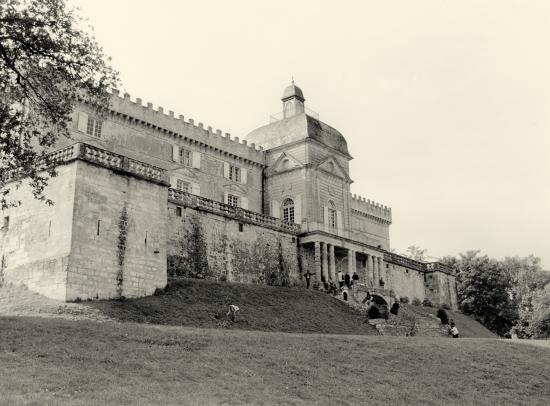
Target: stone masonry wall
(253,255)
(404,281)
(119,235)
(35,239)
(441,289)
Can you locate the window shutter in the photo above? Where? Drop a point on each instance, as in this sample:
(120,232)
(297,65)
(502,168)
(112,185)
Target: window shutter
(196,189)
(298,209)
(175,153)
(82,121)
(244,176)
(173,182)
(275,209)
(196,160)
(325,215)
(225,194)
(244,203)
(339,221)
(226,170)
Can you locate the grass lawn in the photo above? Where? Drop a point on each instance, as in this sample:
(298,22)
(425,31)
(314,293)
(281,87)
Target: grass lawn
(61,362)
(195,303)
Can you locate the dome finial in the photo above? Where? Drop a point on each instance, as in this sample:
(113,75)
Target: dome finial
(292,80)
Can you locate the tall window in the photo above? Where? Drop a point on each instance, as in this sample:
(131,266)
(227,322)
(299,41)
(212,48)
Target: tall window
(331,215)
(183,186)
(288,211)
(233,200)
(93,127)
(186,157)
(235,173)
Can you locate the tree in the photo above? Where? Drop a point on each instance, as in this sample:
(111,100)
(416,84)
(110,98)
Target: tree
(484,292)
(416,253)
(47,63)
(539,323)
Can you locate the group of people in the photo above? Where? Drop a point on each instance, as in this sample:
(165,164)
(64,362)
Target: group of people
(346,280)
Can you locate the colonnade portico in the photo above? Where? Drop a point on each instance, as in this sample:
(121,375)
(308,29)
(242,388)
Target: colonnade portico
(330,251)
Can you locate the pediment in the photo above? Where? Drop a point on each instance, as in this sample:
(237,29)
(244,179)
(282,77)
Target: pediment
(284,162)
(332,166)
(184,171)
(233,187)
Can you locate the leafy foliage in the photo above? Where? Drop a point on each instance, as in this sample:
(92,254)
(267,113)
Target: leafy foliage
(404,299)
(442,315)
(192,261)
(416,302)
(504,295)
(427,303)
(46,64)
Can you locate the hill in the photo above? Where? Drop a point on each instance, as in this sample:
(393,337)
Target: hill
(203,303)
(467,326)
(65,362)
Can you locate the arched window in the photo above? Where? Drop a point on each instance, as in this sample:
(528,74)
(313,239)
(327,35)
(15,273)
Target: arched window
(331,214)
(288,211)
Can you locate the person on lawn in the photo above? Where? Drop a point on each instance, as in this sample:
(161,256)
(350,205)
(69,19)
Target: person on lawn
(454,331)
(233,309)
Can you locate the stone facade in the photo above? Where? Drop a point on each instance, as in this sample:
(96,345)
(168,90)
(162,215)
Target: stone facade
(146,191)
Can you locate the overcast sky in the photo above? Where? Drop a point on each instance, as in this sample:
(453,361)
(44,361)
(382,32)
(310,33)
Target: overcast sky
(445,105)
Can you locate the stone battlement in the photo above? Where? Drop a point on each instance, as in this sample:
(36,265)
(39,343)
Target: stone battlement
(370,208)
(180,127)
(201,203)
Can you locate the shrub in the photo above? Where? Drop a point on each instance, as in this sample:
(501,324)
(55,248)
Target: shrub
(446,306)
(394,308)
(384,313)
(416,302)
(427,303)
(442,315)
(373,312)
(392,293)
(404,299)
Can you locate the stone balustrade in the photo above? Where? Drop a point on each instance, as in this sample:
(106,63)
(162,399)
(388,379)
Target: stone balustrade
(202,203)
(439,267)
(404,261)
(97,156)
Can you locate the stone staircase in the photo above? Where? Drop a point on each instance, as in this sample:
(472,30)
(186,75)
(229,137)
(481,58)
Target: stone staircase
(409,321)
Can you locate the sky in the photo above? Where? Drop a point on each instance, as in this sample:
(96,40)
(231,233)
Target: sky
(445,105)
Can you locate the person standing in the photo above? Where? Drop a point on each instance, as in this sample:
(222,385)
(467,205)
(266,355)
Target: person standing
(340,279)
(307,275)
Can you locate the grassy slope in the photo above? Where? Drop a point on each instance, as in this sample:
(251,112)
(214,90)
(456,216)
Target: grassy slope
(192,302)
(61,362)
(467,326)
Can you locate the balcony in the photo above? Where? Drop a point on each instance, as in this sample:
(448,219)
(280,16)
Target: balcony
(246,216)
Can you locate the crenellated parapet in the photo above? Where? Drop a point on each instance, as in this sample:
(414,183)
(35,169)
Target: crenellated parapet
(182,127)
(366,207)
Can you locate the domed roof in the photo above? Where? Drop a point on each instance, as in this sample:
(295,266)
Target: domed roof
(293,91)
(296,128)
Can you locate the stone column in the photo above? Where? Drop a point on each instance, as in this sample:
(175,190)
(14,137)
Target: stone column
(317,261)
(350,262)
(332,264)
(373,266)
(378,270)
(368,272)
(324,262)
